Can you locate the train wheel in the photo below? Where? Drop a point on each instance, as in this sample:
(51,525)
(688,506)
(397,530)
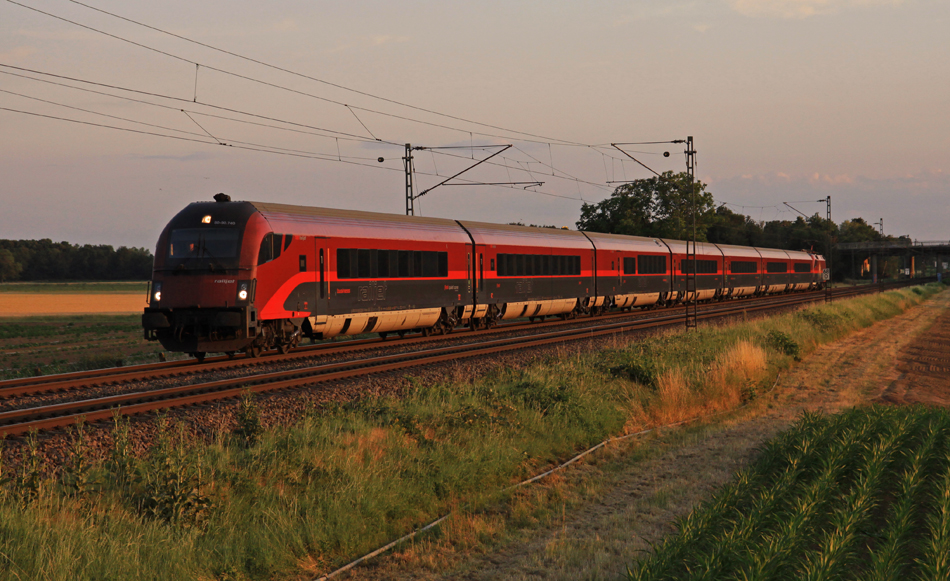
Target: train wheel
(230,354)
(252,351)
(283,348)
(200,356)
(382,336)
(426,332)
(402,334)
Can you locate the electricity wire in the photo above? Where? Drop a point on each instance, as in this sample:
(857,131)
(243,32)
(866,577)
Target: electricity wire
(318,80)
(274,85)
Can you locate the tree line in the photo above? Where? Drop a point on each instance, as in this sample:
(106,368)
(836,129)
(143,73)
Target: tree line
(660,207)
(33,260)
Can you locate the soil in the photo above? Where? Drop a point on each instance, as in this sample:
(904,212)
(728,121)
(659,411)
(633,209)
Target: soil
(899,361)
(34,304)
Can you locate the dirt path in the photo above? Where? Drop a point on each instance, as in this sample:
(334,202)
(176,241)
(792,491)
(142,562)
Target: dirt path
(599,539)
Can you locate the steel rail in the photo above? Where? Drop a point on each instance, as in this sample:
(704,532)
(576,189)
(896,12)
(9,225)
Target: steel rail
(18,422)
(111,376)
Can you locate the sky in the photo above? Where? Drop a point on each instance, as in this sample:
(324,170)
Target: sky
(787,100)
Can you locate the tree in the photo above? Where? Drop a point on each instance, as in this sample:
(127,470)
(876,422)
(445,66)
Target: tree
(9,268)
(658,207)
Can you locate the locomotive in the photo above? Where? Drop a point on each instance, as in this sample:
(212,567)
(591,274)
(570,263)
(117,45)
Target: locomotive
(233,276)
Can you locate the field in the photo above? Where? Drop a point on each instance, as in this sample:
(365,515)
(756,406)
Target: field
(864,494)
(43,345)
(302,499)
(67,326)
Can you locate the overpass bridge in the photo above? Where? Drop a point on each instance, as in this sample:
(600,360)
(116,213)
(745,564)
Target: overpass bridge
(916,257)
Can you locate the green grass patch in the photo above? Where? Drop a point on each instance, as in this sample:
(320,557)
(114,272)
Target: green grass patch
(111,287)
(349,478)
(833,498)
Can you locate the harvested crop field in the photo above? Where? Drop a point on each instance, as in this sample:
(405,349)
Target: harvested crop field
(37,304)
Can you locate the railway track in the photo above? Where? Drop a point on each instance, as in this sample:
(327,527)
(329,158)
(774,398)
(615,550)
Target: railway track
(20,421)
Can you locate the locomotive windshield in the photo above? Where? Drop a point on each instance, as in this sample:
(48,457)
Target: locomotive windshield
(203,243)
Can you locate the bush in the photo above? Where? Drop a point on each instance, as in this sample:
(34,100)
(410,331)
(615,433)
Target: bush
(783,343)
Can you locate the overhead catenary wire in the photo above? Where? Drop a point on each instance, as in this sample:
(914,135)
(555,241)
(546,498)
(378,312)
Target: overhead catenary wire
(179,100)
(275,85)
(333,133)
(261,148)
(318,80)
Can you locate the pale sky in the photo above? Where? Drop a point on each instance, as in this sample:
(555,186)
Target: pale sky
(788,100)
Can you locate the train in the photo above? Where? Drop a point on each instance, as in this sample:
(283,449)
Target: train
(246,277)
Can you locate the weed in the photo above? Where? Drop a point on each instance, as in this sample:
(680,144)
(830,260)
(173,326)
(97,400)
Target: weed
(170,486)
(249,427)
(120,464)
(75,473)
(29,481)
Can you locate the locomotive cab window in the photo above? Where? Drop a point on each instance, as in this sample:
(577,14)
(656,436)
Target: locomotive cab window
(271,247)
(203,243)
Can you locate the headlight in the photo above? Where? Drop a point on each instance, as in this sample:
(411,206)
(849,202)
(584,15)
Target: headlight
(242,295)
(243,290)
(157,292)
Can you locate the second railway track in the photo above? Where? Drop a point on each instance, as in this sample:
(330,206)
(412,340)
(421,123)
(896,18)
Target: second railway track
(19,421)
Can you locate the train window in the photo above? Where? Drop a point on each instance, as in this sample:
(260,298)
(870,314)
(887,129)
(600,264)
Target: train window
(576,261)
(776,267)
(702,267)
(364,263)
(629,265)
(277,240)
(405,264)
(343,263)
(802,267)
(382,264)
(443,264)
(743,267)
(519,264)
(266,253)
(417,264)
(651,264)
(287,239)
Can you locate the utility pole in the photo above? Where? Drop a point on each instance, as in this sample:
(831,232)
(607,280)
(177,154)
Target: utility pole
(692,293)
(831,251)
(407,165)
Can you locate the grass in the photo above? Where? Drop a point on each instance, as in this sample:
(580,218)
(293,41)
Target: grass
(349,478)
(80,287)
(833,498)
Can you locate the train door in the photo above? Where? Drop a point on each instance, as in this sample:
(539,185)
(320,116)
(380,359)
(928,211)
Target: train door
(321,264)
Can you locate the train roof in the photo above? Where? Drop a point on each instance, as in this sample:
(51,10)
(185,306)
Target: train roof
(509,234)
(357,224)
(702,248)
(622,243)
(733,251)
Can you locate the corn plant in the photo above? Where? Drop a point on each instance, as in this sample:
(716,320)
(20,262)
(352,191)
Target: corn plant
(935,561)
(889,561)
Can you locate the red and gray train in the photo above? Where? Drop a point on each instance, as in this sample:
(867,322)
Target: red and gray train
(251,276)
